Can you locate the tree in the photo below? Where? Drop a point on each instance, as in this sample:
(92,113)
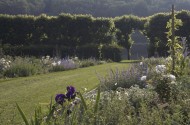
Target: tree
(125,25)
(155,30)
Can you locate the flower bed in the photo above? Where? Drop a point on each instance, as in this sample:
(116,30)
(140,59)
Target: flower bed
(25,66)
(142,94)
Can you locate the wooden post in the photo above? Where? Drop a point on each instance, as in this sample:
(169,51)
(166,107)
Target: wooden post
(173,41)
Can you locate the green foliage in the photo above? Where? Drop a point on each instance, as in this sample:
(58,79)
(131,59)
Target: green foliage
(166,90)
(57,68)
(176,50)
(71,35)
(87,51)
(24,67)
(88,62)
(124,78)
(97,101)
(183,31)
(37,120)
(112,52)
(155,29)
(66,35)
(22,114)
(83,101)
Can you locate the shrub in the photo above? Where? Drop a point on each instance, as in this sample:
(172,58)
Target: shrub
(57,68)
(89,62)
(20,70)
(124,78)
(63,64)
(24,67)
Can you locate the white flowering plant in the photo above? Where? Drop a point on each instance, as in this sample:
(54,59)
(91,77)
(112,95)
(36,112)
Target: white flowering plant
(64,64)
(4,65)
(162,81)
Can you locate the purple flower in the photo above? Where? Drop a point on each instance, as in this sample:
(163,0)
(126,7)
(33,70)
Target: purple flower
(70,92)
(60,98)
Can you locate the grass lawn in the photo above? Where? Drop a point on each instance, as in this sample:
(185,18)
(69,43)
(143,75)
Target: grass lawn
(28,92)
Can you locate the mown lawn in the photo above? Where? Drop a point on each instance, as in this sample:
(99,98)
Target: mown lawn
(29,92)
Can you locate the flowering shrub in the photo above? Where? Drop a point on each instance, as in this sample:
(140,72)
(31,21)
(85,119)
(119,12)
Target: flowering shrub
(46,60)
(23,67)
(27,66)
(90,62)
(73,63)
(68,63)
(160,69)
(163,82)
(4,64)
(121,78)
(137,74)
(146,74)
(63,64)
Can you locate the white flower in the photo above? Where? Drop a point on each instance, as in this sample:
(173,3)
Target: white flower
(118,93)
(141,63)
(172,77)
(115,83)
(54,63)
(59,62)
(160,69)
(47,57)
(143,78)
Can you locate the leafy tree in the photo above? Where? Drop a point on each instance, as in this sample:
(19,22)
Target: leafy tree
(125,25)
(155,30)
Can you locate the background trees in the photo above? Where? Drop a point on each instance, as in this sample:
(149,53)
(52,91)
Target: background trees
(97,8)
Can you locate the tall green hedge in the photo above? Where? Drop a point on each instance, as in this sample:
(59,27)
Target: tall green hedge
(81,35)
